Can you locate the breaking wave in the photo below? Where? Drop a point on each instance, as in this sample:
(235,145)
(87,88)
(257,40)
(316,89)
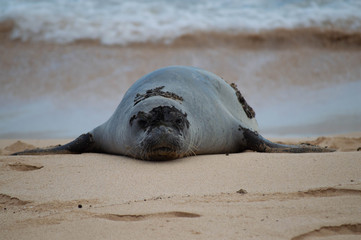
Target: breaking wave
(122,22)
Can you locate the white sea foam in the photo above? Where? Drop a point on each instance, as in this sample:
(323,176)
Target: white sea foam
(131,21)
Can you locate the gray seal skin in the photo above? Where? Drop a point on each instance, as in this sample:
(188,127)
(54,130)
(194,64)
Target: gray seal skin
(175,112)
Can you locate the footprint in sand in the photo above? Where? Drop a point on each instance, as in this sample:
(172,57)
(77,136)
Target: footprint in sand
(117,217)
(328,231)
(23,167)
(318,192)
(13,201)
(329,192)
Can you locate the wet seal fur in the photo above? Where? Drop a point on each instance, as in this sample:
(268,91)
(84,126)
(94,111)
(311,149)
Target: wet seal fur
(176,112)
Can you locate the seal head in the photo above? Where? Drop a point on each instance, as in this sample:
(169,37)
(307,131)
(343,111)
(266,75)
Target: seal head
(161,133)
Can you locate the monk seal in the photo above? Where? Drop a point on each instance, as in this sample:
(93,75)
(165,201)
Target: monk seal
(176,112)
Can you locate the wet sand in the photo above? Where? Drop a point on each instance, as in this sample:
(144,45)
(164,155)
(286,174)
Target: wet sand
(303,82)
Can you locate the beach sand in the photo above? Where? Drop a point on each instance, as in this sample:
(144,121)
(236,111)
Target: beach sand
(238,196)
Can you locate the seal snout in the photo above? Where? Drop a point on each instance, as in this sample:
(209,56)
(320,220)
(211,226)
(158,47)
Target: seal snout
(161,143)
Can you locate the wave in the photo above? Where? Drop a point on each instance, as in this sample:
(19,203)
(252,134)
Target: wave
(277,38)
(158,21)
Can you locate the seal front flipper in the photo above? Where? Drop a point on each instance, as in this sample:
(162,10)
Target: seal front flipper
(84,143)
(258,143)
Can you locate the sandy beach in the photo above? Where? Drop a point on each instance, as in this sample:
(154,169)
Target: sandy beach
(240,196)
(65,66)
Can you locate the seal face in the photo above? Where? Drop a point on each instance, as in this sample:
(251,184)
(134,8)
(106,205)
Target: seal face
(175,112)
(162,133)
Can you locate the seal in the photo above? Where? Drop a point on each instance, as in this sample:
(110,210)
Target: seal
(175,112)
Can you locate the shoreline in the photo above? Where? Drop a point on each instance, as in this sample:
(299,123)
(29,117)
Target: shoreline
(66,65)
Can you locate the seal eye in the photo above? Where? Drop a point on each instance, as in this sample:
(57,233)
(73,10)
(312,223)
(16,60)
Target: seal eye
(179,121)
(142,123)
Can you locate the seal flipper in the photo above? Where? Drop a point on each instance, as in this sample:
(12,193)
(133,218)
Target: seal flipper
(84,143)
(258,143)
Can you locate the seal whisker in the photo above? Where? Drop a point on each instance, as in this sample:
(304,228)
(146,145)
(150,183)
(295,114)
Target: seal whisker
(192,148)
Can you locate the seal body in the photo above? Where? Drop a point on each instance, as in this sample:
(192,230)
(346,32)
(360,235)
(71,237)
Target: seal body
(174,112)
(213,111)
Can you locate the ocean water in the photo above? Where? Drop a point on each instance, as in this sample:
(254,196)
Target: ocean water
(133,21)
(55,83)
